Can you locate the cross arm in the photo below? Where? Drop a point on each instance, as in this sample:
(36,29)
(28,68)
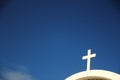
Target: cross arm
(84,57)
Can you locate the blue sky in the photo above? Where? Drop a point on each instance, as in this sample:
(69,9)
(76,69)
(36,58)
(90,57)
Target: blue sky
(46,39)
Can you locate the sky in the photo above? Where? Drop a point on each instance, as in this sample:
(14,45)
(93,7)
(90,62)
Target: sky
(46,39)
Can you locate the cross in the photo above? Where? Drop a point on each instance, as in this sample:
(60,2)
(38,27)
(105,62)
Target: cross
(88,57)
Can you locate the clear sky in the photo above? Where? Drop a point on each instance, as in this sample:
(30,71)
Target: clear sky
(46,39)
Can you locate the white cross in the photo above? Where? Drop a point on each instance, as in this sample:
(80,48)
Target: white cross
(88,57)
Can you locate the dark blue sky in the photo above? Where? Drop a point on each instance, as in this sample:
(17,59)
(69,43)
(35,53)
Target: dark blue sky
(50,37)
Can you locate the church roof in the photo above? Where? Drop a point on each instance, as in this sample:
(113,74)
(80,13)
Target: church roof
(93,74)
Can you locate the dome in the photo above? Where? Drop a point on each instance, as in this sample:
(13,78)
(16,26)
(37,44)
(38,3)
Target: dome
(94,75)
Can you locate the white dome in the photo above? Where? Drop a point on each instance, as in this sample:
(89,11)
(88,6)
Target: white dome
(97,73)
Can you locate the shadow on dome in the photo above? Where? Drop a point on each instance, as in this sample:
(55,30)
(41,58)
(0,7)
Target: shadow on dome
(93,78)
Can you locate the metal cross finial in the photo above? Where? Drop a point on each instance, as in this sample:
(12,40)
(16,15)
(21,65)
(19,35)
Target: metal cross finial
(88,57)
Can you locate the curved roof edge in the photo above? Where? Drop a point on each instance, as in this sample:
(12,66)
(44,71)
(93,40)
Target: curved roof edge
(99,73)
